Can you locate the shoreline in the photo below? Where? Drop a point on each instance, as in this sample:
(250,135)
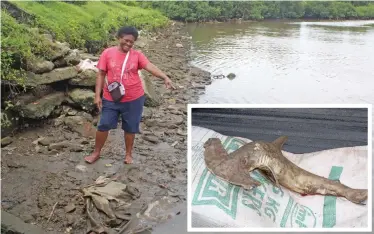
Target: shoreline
(34,177)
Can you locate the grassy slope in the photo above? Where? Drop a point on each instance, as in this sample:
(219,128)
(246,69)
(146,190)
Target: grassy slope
(76,24)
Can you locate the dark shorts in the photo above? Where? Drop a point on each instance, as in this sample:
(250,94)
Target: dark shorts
(130,112)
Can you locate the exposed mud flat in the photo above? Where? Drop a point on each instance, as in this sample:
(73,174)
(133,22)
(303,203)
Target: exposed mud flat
(43,167)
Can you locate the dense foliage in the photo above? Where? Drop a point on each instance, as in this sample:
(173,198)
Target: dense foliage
(18,44)
(259,10)
(75,22)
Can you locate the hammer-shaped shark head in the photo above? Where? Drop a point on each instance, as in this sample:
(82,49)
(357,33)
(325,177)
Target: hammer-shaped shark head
(212,142)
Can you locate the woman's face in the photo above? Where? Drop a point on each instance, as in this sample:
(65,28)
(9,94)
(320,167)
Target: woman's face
(126,42)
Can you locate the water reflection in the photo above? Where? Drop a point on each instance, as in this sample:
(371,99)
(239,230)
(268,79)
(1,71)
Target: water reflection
(287,62)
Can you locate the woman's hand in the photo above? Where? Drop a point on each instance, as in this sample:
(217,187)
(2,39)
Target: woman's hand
(98,102)
(158,73)
(168,83)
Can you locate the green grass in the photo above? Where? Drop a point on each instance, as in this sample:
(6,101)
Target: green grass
(91,21)
(75,23)
(19,43)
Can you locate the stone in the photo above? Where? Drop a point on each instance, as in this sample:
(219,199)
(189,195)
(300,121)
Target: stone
(70,219)
(59,50)
(40,149)
(41,91)
(147,113)
(61,62)
(173,119)
(69,208)
(75,147)
(81,168)
(80,125)
(42,108)
(13,224)
(85,115)
(84,98)
(176,112)
(58,122)
(48,36)
(141,44)
(73,58)
(181,133)
(57,146)
(86,78)
(89,56)
(151,122)
(178,45)
(53,76)
(198,72)
(153,99)
(231,76)
(6,141)
(39,66)
(84,142)
(14,163)
(72,112)
(61,145)
(46,141)
(152,139)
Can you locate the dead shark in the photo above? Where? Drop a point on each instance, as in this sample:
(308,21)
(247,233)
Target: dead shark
(267,157)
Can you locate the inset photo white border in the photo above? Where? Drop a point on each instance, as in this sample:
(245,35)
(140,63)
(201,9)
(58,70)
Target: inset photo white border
(248,229)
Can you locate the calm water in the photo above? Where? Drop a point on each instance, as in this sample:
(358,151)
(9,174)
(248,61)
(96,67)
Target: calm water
(287,62)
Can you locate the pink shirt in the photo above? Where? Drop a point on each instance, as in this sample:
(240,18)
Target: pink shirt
(111,61)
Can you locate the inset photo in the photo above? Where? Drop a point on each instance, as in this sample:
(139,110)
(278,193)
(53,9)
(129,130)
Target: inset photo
(279,167)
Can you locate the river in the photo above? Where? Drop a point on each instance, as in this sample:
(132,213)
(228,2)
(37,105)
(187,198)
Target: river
(286,62)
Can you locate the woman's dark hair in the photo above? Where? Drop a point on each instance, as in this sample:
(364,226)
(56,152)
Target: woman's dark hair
(128,31)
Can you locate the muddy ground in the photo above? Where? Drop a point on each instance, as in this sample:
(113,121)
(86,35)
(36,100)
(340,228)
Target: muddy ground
(36,176)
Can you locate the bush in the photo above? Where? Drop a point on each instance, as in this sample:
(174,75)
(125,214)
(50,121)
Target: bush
(19,44)
(77,23)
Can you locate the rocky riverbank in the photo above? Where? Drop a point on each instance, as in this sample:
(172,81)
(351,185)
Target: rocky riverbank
(43,171)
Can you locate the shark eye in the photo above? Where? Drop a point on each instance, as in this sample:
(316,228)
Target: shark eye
(243,161)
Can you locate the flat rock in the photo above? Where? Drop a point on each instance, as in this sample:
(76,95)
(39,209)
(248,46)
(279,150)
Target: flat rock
(152,139)
(46,141)
(80,125)
(173,119)
(61,62)
(86,78)
(14,163)
(53,76)
(59,50)
(69,208)
(6,141)
(81,168)
(84,98)
(71,146)
(42,108)
(181,133)
(39,66)
(73,58)
(13,224)
(57,146)
(153,99)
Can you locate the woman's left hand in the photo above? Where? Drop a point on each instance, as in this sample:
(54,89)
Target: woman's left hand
(168,83)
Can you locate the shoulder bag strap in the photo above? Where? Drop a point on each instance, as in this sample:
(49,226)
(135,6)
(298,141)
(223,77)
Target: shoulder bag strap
(123,67)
